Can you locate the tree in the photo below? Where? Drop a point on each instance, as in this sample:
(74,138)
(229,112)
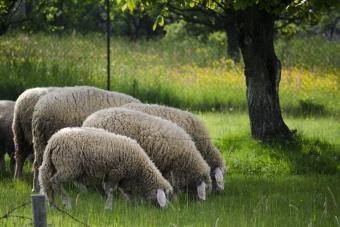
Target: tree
(10,12)
(217,19)
(255,21)
(7,9)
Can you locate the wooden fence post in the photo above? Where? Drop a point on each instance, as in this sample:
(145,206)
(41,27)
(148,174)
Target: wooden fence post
(39,211)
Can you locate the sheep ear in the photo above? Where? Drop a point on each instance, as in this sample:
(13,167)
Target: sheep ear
(161,198)
(219,179)
(201,191)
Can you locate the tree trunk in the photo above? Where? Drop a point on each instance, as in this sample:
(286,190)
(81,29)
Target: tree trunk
(263,74)
(233,48)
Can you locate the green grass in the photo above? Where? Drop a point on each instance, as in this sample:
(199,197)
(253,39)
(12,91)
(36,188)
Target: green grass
(293,184)
(246,201)
(263,187)
(187,74)
(316,149)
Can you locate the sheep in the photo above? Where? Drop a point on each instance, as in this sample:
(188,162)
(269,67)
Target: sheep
(22,124)
(6,135)
(65,108)
(90,155)
(196,129)
(168,146)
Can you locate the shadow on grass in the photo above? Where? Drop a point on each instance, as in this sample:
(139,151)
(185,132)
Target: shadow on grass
(300,156)
(309,156)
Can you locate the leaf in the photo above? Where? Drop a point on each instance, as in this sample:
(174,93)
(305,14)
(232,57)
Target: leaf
(154,26)
(131,5)
(124,7)
(161,21)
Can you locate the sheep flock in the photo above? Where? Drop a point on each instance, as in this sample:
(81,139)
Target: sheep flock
(109,141)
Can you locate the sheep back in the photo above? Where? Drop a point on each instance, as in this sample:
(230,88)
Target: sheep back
(80,154)
(22,123)
(168,145)
(66,108)
(191,124)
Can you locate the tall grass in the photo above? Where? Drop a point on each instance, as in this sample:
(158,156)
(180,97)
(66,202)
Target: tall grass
(187,74)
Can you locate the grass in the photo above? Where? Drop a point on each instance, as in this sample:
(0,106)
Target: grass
(186,74)
(264,187)
(247,201)
(293,184)
(315,151)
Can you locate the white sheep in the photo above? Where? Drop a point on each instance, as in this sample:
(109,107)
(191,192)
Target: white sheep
(66,108)
(168,146)
(22,124)
(95,156)
(6,135)
(196,129)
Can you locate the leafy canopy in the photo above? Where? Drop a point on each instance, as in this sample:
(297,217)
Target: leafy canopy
(302,8)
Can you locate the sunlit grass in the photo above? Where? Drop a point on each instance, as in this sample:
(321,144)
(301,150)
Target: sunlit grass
(186,74)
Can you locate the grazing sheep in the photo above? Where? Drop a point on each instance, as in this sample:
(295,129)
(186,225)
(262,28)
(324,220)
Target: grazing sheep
(198,132)
(6,135)
(96,156)
(168,146)
(66,108)
(22,124)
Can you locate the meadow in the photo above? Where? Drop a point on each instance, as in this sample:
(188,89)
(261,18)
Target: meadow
(268,184)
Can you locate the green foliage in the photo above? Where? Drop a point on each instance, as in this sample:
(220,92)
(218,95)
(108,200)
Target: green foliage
(176,31)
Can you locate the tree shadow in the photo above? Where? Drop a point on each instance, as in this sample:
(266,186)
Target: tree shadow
(308,156)
(299,156)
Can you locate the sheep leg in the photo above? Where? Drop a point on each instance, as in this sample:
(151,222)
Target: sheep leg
(111,182)
(12,159)
(57,186)
(2,162)
(50,195)
(21,146)
(19,163)
(12,165)
(124,195)
(36,186)
(108,191)
(36,164)
(18,167)
(81,187)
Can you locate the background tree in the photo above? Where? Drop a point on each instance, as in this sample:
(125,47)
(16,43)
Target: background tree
(217,19)
(7,9)
(255,25)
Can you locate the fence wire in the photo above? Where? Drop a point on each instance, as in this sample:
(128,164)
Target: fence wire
(69,215)
(10,213)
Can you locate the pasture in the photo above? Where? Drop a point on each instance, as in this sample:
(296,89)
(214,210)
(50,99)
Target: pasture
(272,184)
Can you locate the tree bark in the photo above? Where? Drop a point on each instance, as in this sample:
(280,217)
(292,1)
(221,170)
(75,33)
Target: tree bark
(233,48)
(263,74)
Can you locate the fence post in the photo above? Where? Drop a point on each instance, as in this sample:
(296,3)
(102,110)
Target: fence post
(39,211)
(108,37)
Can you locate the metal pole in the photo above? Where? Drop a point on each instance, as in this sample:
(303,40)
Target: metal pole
(39,211)
(108,35)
